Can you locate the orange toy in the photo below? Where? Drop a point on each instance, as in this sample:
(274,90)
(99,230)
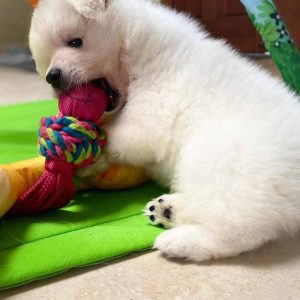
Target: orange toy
(16,178)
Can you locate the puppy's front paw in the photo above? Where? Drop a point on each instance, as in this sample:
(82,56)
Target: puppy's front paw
(95,169)
(161,211)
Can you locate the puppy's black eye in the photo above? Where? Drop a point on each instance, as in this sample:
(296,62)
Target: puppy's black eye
(75,43)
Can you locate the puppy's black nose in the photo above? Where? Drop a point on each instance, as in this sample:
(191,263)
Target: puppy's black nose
(53,77)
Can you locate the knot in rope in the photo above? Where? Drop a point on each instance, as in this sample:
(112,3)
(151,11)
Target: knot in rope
(68,139)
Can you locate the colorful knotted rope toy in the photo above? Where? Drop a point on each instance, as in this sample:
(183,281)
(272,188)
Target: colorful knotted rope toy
(69,141)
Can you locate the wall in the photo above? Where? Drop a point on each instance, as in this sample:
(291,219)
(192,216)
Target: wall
(15,18)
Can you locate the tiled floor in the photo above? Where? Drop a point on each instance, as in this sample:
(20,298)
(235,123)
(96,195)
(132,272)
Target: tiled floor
(20,86)
(269,273)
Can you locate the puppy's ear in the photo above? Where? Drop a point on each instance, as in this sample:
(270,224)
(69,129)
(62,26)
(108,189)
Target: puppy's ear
(90,9)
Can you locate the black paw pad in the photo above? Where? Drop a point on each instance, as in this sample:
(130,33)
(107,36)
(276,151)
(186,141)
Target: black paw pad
(152,208)
(168,213)
(152,218)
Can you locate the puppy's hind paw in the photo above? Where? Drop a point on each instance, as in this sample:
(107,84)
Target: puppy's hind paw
(161,211)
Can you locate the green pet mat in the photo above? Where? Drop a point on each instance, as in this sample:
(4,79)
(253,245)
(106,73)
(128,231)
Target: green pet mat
(97,226)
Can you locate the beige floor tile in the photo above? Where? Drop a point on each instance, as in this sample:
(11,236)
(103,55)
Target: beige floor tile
(20,86)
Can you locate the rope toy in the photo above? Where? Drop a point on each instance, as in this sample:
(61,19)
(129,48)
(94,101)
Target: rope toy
(69,141)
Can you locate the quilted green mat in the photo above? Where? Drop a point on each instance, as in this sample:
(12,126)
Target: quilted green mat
(97,226)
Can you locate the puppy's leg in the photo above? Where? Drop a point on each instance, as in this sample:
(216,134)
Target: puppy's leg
(195,242)
(232,195)
(190,239)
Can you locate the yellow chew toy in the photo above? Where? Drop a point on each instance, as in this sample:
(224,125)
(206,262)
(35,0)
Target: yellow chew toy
(17,178)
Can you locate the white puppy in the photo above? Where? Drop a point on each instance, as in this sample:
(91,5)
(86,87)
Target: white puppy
(220,132)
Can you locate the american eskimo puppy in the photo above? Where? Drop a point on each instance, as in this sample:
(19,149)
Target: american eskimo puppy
(221,133)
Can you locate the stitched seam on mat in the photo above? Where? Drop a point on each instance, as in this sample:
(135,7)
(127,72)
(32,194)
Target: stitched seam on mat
(54,235)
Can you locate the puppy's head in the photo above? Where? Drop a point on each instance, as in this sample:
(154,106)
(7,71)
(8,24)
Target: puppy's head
(72,41)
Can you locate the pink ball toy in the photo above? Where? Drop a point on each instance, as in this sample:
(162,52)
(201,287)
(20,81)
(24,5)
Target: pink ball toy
(86,102)
(68,141)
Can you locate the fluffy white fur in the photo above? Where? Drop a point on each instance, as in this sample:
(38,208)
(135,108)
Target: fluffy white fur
(220,132)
